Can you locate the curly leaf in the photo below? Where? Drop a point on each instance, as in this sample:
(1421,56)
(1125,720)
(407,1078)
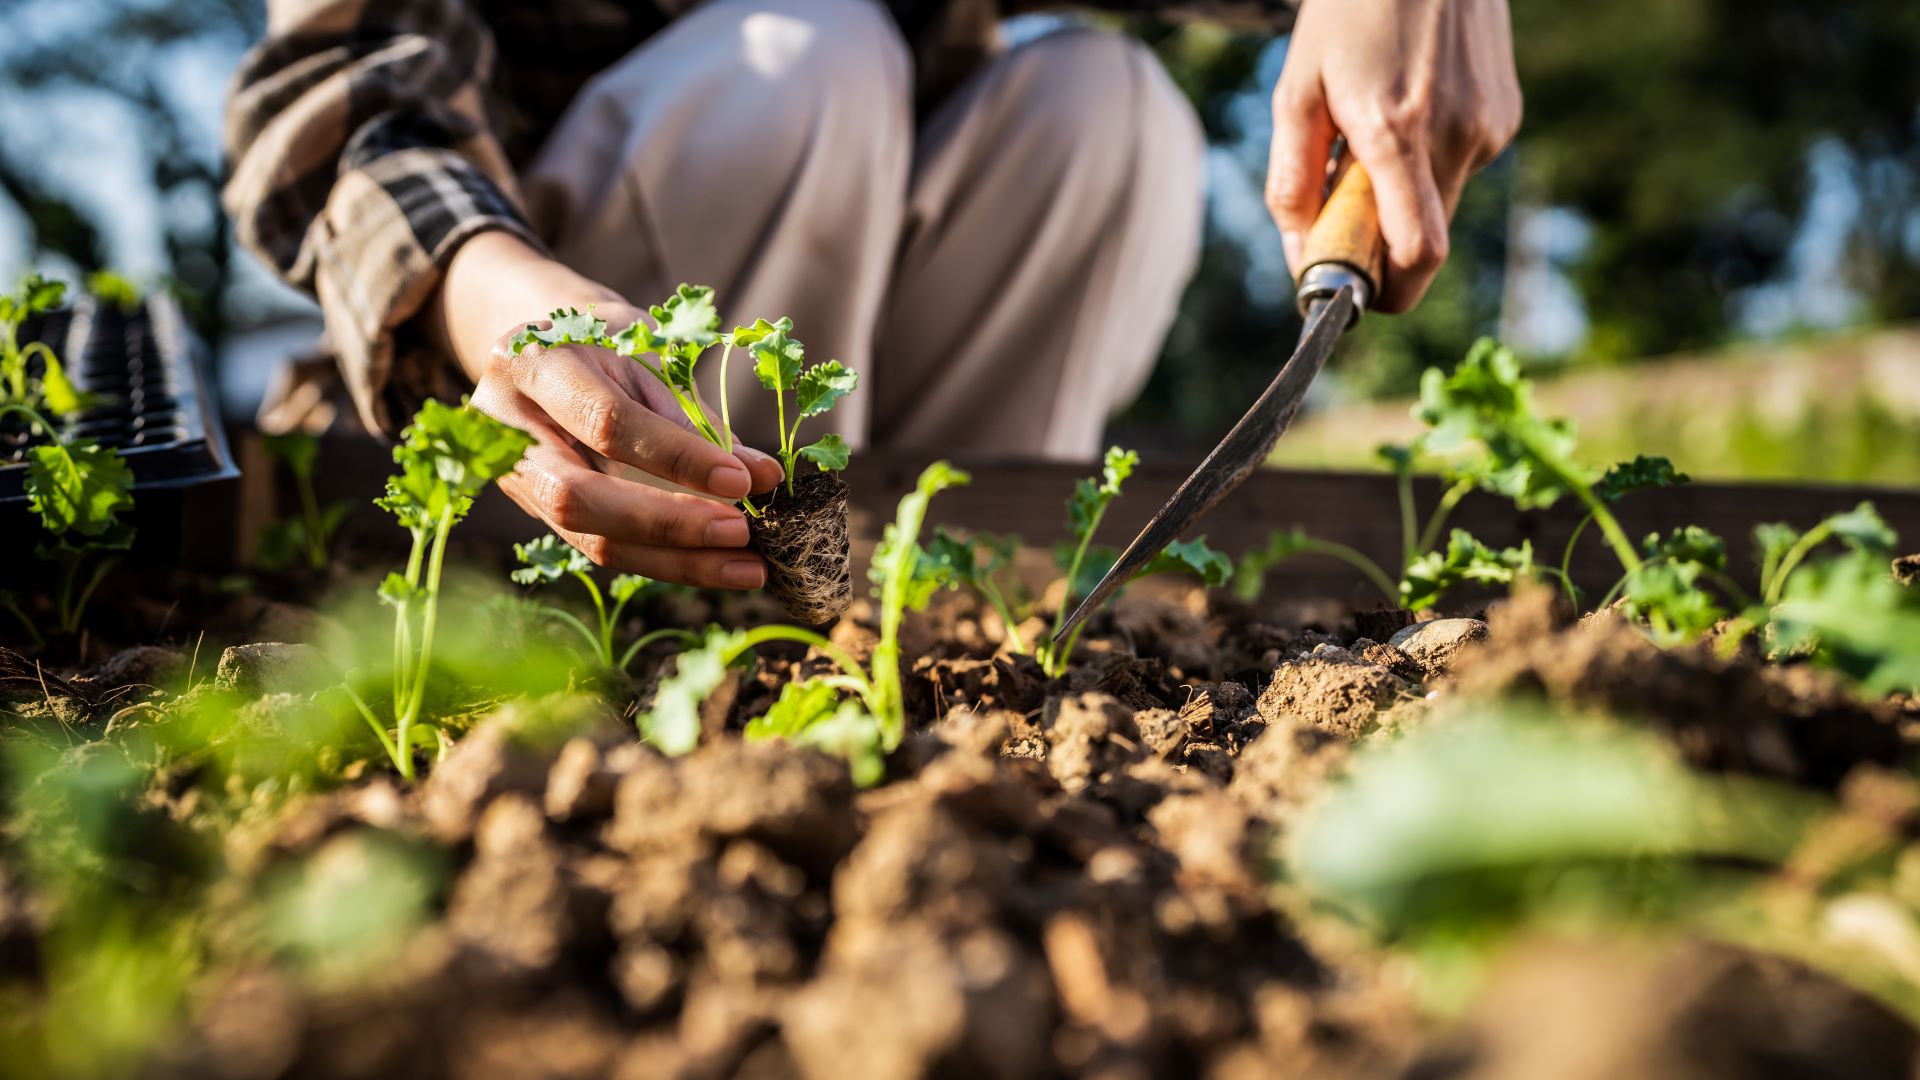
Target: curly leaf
(1115,468)
(688,317)
(1863,529)
(1640,474)
(1465,559)
(776,361)
(1691,544)
(746,337)
(1191,557)
(1250,573)
(626,586)
(397,591)
(548,559)
(1486,403)
(78,488)
(1672,591)
(905,572)
(972,559)
(61,396)
(466,447)
(569,327)
(830,453)
(636,340)
(1850,614)
(824,384)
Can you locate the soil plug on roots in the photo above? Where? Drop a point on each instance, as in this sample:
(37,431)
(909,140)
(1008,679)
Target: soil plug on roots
(802,533)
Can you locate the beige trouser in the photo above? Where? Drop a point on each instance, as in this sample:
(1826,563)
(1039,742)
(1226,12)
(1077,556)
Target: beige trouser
(1001,279)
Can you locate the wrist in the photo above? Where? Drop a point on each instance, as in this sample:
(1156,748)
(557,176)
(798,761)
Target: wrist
(495,283)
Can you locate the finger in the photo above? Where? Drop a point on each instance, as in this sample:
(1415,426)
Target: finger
(765,468)
(585,401)
(706,568)
(560,487)
(1303,135)
(1413,216)
(644,388)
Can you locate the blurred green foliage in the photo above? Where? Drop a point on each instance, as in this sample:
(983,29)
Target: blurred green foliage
(1680,133)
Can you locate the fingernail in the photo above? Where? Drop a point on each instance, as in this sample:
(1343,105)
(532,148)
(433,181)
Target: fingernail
(730,481)
(1290,243)
(743,575)
(727,532)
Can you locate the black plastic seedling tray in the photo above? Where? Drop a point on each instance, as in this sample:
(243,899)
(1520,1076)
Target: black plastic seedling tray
(155,406)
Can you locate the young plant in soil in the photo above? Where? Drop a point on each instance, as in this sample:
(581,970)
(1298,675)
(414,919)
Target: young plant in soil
(78,488)
(858,712)
(308,537)
(802,530)
(1850,611)
(33,398)
(446,457)
(803,537)
(1484,435)
(976,561)
(548,559)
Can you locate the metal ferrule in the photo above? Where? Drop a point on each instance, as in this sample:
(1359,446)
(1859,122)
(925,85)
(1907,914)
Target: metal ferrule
(1323,280)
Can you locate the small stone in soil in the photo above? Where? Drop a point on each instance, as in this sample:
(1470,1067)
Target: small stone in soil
(273,667)
(1436,645)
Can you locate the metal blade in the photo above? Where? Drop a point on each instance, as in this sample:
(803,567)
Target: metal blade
(1230,463)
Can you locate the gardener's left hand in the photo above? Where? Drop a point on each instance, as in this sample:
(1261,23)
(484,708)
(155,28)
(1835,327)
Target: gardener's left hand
(1425,93)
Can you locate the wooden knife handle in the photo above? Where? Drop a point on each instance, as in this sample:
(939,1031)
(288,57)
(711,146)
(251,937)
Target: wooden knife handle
(1347,232)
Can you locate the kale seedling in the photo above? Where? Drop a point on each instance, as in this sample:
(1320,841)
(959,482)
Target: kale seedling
(778,360)
(686,326)
(858,712)
(1250,572)
(78,488)
(976,561)
(446,457)
(1850,614)
(1486,405)
(309,536)
(1086,564)
(50,393)
(549,559)
(1782,548)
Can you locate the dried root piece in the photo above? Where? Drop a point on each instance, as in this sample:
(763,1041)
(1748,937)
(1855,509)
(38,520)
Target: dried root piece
(803,536)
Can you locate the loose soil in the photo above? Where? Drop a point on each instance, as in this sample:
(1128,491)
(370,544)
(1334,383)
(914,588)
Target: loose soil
(1063,877)
(803,536)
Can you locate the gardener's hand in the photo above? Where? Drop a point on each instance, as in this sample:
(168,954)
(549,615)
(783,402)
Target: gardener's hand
(588,406)
(1425,93)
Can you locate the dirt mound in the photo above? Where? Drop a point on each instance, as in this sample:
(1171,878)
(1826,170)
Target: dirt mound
(1093,906)
(1789,723)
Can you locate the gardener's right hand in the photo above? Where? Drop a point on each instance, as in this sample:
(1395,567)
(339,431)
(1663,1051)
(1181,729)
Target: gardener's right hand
(589,407)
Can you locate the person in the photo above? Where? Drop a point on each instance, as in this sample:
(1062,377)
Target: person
(996,238)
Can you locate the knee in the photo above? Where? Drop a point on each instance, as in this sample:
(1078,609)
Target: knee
(1102,99)
(827,53)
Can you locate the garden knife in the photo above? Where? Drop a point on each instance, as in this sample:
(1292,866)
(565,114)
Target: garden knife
(1344,261)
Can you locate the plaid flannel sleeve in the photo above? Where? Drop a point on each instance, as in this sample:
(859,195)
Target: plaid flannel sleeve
(362,158)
